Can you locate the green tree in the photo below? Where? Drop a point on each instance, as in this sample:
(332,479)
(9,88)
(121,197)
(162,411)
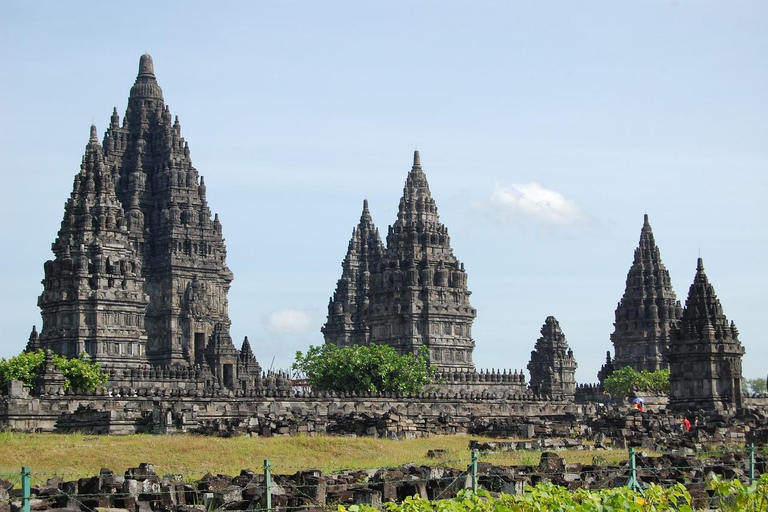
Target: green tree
(373,368)
(80,372)
(23,367)
(755,386)
(621,382)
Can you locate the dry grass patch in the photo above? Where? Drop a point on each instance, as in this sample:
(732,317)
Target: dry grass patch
(77,455)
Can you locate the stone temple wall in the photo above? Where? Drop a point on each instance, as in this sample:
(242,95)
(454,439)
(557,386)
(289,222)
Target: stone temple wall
(285,412)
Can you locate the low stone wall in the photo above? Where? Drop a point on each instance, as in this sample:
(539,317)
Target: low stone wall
(285,413)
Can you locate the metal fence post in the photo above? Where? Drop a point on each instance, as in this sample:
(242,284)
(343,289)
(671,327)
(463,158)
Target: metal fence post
(268,483)
(632,483)
(474,470)
(25,489)
(751,463)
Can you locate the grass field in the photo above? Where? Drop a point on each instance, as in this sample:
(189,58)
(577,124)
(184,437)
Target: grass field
(77,455)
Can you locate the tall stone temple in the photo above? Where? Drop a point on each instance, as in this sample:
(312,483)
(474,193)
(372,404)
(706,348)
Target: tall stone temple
(648,312)
(139,275)
(409,294)
(705,353)
(552,365)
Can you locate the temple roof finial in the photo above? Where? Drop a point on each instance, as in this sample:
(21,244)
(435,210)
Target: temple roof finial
(94,134)
(700,265)
(365,205)
(416,159)
(146,68)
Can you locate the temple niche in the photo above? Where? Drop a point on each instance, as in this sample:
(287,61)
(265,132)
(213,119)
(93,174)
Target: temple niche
(409,294)
(552,365)
(648,312)
(139,275)
(705,353)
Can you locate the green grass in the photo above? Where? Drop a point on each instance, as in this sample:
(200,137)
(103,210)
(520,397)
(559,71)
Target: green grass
(76,455)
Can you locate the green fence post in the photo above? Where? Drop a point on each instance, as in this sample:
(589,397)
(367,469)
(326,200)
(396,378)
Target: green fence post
(268,484)
(751,463)
(632,483)
(474,470)
(25,489)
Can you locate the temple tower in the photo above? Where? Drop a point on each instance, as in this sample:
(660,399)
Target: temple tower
(552,365)
(705,353)
(93,296)
(648,312)
(346,309)
(419,293)
(169,224)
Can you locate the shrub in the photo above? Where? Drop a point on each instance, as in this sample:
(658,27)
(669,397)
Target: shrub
(621,382)
(372,368)
(79,372)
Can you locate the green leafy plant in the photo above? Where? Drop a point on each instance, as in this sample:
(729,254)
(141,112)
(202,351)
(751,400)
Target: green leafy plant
(372,368)
(549,497)
(621,382)
(80,372)
(755,386)
(23,367)
(733,495)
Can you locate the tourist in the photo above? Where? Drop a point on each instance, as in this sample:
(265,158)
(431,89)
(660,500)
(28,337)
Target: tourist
(686,424)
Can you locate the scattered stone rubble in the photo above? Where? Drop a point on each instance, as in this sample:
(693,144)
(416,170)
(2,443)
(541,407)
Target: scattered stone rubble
(140,489)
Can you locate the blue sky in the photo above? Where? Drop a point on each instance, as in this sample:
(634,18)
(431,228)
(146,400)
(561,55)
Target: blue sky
(546,130)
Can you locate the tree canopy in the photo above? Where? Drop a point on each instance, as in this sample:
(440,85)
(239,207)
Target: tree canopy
(755,386)
(623,381)
(372,368)
(79,372)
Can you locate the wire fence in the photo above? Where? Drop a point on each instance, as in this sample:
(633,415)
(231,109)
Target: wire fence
(141,489)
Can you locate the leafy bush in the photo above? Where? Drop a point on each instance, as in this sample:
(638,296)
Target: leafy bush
(736,496)
(548,497)
(23,367)
(621,382)
(755,386)
(372,368)
(79,372)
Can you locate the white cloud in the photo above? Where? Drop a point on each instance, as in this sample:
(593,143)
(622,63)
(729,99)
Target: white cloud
(288,321)
(531,201)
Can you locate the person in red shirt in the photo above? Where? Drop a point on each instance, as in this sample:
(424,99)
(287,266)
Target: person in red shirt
(687,424)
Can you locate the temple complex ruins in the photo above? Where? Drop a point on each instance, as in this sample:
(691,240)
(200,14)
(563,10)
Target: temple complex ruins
(139,275)
(648,312)
(552,365)
(705,352)
(412,293)
(139,282)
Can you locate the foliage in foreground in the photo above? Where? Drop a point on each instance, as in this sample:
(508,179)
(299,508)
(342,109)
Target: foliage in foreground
(79,373)
(730,496)
(623,381)
(549,497)
(373,368)
(736,496)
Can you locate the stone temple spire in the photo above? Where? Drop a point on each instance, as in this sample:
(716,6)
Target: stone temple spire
(552,365)
(648,311)
(93,298)
(169,224)
(345,325)
(419,293)
(705,353)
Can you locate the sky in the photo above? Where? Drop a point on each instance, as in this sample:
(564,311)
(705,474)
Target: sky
(546,129)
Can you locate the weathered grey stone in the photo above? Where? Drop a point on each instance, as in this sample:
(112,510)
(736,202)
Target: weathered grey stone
(410,294)
(648,311)
(705,353)
(552,365)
